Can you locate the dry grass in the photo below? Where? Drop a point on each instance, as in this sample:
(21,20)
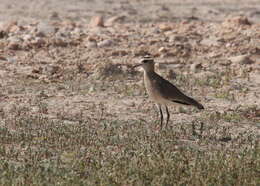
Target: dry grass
(42,151)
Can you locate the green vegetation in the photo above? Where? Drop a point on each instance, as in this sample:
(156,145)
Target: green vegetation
(40,151)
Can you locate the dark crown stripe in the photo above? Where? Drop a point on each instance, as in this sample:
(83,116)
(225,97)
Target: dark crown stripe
(147,58)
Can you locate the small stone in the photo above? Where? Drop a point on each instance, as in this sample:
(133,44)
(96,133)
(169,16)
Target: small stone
(165,27)
(7,26)
(54,16)
(27,37)
(210,42)
(97,21)
(241,59)
(37,70)
(38,42)
(174,38)
(14,43)
(51,69)
(239,20)
(76,32)
(14,29)
(60,41)
(69,24)
(195,67)
(12,59)
(44,78)
(257,113)
(107,70)
(119,53)
(225,62)
(228,45)
(2,34)
(105,43)
(128,103)
(45,29)
(171,74)
(204,74)
(213,54)
(233,22)
(63,33)
(162,50)
(32,30)
(91,44)
(2,58)
(114,19)
(32,76)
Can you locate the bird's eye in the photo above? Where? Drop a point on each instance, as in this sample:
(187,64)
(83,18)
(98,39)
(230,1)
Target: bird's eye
(146,61)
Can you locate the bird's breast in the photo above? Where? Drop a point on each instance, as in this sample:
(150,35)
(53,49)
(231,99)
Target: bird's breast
(152,89)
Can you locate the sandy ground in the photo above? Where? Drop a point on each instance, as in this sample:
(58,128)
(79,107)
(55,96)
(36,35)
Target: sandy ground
(134,10)
(60,75)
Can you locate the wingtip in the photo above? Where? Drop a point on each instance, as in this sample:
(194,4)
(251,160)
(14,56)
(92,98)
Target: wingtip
(200,106)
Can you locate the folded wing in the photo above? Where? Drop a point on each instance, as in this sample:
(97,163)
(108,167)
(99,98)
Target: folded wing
(167,89)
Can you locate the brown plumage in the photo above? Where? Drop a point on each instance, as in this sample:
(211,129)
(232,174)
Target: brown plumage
(161,91)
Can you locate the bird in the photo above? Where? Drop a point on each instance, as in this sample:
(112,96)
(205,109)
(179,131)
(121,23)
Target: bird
(163,92)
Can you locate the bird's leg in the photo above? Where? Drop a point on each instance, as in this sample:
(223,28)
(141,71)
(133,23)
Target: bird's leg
(161,114)
(168,115)
(157,114)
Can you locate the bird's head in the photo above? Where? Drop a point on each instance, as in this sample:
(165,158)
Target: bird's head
(147,63)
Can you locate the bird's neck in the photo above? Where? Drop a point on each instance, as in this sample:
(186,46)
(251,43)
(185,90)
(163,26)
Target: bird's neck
(149,70)
(149,73)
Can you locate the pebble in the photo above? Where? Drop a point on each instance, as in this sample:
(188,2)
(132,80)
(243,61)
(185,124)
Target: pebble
(162,50)
(38,42)
(228,45)
(174,38)
(105,43)
(204,74)
(96,21)
(241,59)
(11,59)
(45,29)
(111,21)
(195,67)
(238,20)
(6,26)
(119,53)
(60,41)
(76,32)
(14,29)
(54,16)
(210,42)
(165,27)
(2,58)
(91,44)
(27,37)
(51,69)
(14,43)
(64,33)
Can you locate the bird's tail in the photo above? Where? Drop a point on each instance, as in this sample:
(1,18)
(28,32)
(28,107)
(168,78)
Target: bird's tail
(194,103)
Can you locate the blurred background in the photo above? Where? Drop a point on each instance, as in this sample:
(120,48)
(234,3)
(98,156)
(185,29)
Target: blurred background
(134,10)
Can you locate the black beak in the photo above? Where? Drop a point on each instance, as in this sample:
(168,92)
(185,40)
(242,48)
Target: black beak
(137,65)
